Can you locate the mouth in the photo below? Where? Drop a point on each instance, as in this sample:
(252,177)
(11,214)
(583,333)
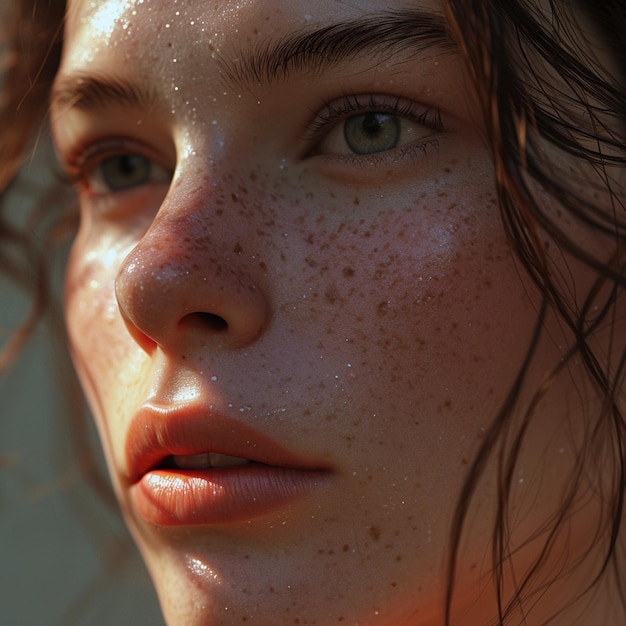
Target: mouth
(188,467)
(202,461)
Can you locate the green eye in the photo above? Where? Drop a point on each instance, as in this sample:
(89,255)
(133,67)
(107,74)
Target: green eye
(372,132)
(365,126)
(124,171)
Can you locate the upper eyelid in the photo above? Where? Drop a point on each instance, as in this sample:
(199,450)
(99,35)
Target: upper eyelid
(98,151)
(341,108)
(89,154)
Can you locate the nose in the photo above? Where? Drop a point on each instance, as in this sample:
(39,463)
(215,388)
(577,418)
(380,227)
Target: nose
(189,284)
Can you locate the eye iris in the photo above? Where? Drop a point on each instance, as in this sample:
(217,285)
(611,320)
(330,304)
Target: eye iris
(372,132)
(125,171)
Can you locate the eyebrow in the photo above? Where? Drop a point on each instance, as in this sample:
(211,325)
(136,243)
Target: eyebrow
(380,36)
(87,91)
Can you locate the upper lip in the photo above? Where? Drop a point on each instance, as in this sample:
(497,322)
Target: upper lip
(157,432)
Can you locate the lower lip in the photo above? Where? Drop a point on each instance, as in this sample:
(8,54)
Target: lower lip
(221,496)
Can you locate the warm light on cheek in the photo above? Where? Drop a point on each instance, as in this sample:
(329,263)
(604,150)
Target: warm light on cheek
(92,314)
(105,355)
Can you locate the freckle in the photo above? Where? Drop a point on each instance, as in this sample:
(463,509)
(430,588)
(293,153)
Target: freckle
(356,201)
(346,547)
(399,557)
(446,406)
(219,211)
(348,272)
(374,532)
(237,249)
(331,295)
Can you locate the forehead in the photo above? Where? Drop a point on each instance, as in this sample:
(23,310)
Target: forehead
(152,43)
(117,21)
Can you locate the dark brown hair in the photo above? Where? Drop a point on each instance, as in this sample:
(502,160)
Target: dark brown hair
(550,78)
(32,33)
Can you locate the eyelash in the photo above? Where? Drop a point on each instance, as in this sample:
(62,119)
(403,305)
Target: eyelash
(333,113)
(85,158)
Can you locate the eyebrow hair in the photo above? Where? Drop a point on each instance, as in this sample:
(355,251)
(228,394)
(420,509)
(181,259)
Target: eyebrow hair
(87,91)
(379,36)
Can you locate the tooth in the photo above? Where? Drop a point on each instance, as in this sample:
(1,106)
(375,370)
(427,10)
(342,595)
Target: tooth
(223,460)
(193,461)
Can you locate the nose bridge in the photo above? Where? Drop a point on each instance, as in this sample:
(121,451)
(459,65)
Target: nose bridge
(189,279)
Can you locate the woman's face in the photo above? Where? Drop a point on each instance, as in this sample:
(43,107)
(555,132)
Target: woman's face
(292,305)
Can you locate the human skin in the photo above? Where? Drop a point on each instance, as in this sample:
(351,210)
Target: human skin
(367,313)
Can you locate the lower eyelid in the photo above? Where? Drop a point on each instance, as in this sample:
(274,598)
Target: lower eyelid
(416,150)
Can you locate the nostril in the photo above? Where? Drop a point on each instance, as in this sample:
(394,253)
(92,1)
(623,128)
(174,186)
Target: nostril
(210,321)
(214,322)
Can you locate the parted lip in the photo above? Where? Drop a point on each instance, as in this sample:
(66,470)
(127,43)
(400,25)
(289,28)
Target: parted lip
(157,432)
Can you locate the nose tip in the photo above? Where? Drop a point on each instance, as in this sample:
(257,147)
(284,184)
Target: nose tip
(181,298)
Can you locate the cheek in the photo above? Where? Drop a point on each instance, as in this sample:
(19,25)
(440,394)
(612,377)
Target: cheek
(424,305)
(104,355)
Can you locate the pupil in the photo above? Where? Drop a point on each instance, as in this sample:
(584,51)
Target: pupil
(128,165)
(372,125)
